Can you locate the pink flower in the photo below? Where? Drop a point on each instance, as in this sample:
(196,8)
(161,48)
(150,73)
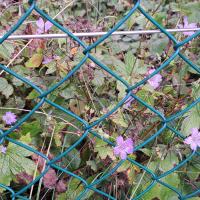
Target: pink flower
(194,139)
(155,80)
(46,60)
(187,25)
(123,147)
(3,150)
(128,102)
(43,27)
(9,118)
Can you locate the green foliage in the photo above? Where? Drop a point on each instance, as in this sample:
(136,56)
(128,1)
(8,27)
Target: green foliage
(14,162)
(6,89)
(92,92)
(161,192)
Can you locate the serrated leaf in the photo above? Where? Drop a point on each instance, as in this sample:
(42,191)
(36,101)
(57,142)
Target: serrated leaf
(103,149)
(5,88)
(35,61)
(14,161)
(118,119)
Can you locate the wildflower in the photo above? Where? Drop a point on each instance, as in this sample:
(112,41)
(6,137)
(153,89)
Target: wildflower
(194,139)
(46,60)
(9,118)
(128,102)
(187,25)
(155,80)
(123,147)
(3,149)
(43,27)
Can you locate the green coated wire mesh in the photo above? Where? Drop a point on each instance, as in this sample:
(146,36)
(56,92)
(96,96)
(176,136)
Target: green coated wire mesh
(88,128)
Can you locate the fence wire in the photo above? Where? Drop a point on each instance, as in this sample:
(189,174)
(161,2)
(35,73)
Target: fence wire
(88,127)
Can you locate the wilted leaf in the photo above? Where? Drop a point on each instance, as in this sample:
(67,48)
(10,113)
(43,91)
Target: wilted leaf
(35,61)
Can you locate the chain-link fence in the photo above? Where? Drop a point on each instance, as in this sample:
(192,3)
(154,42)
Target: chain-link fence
(89,126)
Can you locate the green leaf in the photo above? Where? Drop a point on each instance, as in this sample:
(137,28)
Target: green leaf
(129,62)
(103,149)
(169,161)
(72,160)
(190,121)
(191,9)
(99,78)
(92,164)
(32,95)
(119,119)
(57,135)
(145,96)
(125,166)
(74,189)
(6,50)
(5,88)
(15,162)
(161,192)
(33,128)
(51,68)
(68,92)
(158,45)
(35,61)
(193,172)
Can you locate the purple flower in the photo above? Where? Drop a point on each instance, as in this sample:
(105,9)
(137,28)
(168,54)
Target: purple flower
(194,139)
(47,60)
(123,147)
(128,102)
(187,25)
(9,118)
(3,149)
(155,80)
(43,27)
